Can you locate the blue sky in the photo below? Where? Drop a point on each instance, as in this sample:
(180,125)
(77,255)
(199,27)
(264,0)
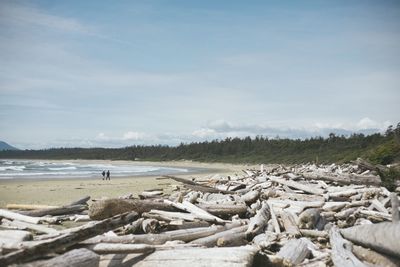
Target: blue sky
(102,73)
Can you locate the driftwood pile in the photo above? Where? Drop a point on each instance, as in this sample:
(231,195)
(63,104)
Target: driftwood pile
(308,215)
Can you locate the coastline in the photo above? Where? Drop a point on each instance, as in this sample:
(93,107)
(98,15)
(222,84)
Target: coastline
(62,191)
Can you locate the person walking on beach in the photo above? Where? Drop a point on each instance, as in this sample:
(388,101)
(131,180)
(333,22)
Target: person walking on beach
(108,175)
(104,174)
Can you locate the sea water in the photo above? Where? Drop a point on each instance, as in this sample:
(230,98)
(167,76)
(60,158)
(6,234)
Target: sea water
(35,169)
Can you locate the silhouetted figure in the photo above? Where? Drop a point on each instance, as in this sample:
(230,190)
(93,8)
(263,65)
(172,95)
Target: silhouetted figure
(108,175)
(104,174)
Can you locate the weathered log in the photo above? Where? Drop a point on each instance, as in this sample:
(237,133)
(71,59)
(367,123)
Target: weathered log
(259,221)
(78,258)
(28,207)
(345,179)
(309,218)
(150,194)
(275,222)
(66,240)
(232,240)
(313,233)
(375,214)
(24,225)
(185,235)
(212,240)
(250,197)
(382,237)
(363,164)
(373,257)
(224,210)
(395,207)
(56,211)
(198,187)
(109,207)
(289,223)
(221,257)
(113,248)
(23,218)
(169,215)
(176,225)
(196,211)
(266,239)
(293,184)
(82,201)
(295,251)
(133,227)
(11,237)
(150,226)
(341,251)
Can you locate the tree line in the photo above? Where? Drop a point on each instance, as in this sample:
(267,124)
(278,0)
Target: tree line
(379,148)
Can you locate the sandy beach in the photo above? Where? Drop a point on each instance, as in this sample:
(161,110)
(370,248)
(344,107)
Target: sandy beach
(62,191)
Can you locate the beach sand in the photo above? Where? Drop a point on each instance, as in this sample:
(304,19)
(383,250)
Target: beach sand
(62,191)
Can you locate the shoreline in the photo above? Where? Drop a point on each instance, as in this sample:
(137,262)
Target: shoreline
(61,191)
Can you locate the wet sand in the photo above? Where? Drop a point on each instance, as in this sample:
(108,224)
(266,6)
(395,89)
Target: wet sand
(62,191)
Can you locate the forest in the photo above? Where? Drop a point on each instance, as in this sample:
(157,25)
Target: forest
(378,148)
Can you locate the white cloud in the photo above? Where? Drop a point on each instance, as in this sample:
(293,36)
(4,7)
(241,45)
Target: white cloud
(204,133)
(133,136)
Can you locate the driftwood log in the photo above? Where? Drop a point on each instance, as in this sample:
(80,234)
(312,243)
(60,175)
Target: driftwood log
(295,251)
(66,240)
(110,207)
(383,237)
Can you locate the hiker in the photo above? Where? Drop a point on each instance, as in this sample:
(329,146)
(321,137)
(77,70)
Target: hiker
(108,175)
(104,174)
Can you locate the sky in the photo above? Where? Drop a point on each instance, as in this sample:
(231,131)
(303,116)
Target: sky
(120,73)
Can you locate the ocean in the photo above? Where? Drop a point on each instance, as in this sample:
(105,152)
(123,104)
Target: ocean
(35,169)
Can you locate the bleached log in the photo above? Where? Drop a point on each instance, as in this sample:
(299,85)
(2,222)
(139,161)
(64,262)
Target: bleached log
(211,240)
(185,235)
(170,215)
(345,179)
(213,257)
(376,204)
(300,197)
(395,207)
(334,206)
(198,187)
(374,258)
(341,251)
(294,251)
(289,223)
(224,210)
(24,225)
(258,223)
(24,218)
(293,184)
(78,258)
(266,239)
(180,224)
(351,192)
(232,240)
(196,211)
(109,207)
(133,227)
(150,194)
(67,240)
(345,213)
(274,220)
(28,207)
(11,237)
(295,206)
(313,233)
(113,248)
(55,211)
(379,215)
(150,226)
(382,237)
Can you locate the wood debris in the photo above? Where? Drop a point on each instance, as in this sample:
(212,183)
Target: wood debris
(305,215)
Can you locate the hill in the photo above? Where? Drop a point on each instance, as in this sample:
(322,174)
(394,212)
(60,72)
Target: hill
(5,146)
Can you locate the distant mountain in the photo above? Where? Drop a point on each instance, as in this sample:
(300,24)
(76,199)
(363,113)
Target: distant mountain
(5,146)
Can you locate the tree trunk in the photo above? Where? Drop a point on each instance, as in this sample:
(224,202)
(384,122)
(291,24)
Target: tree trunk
(295,251)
